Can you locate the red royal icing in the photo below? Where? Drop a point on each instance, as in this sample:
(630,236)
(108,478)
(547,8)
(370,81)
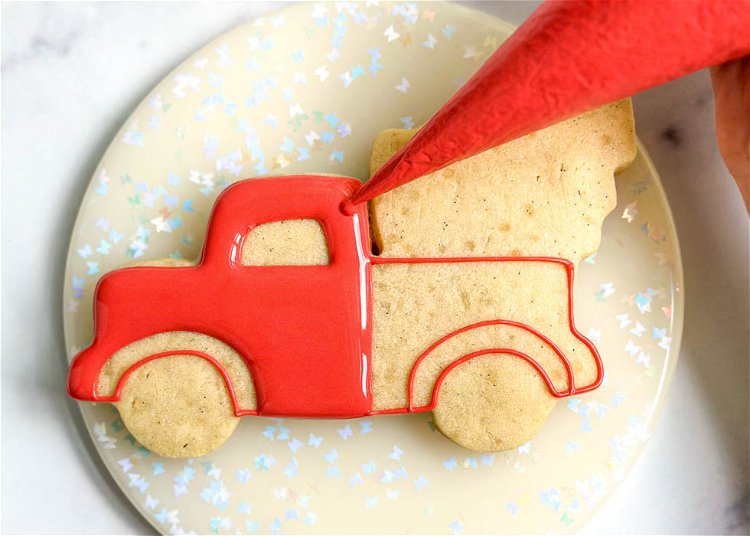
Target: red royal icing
(305,332)
(566,58)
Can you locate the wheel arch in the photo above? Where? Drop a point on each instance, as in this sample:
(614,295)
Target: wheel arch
(230,365)
(416,373)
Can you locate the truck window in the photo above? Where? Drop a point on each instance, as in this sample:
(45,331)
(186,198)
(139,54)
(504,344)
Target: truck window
(286,243)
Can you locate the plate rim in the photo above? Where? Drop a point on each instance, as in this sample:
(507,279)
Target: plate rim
(477,16)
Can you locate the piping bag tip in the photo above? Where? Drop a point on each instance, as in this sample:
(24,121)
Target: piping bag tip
(386,178)
(348,206)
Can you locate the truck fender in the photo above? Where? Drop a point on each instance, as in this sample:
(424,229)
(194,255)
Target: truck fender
(419,374)
(227,362)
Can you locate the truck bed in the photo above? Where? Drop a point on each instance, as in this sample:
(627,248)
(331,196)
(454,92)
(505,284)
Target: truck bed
(416,303)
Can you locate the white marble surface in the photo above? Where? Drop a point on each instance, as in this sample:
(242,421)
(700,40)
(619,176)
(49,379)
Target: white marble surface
(71,73)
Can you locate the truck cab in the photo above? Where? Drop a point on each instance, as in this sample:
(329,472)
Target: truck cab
(303,329)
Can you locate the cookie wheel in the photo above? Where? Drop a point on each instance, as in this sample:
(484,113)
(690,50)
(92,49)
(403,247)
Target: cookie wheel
(174,392)
(492,402)
(177,406)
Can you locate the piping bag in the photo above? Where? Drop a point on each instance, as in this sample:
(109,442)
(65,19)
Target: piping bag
(566,58)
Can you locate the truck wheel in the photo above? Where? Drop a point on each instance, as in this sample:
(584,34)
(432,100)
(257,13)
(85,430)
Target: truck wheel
(177,406)
(492,403)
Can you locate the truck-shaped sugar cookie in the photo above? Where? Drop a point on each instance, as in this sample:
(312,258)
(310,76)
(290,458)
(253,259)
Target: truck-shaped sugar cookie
(434,299)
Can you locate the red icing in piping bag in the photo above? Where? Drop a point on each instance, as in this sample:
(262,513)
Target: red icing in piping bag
(569,57)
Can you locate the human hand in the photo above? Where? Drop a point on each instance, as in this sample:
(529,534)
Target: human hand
(731,84)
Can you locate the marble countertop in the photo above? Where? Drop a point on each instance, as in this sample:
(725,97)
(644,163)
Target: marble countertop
(72,72)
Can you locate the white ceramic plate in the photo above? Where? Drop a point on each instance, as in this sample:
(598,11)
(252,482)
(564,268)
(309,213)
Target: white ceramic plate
(306,90)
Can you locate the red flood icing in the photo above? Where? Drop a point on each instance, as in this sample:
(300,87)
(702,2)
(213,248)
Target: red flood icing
(305,332)
(566,58)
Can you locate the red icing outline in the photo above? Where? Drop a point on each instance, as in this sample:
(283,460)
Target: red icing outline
(322,365)
(238,412)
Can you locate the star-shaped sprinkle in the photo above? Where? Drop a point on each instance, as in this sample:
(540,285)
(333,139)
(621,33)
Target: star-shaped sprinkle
(345,432)
(456,526)
(605,291)
(264,462)
(594,334)
(643,302)
(391,34)
(294,445)
(115,237)
(450,463)
(125,465)
(150,502)
(161,225)
(322,73)
(631,348)
(429,42)
(470,463)
(400,473)
(369,467)
(314,441)
(421,482)
(407,121)
(356,480)
(331,456)
(167,517)
(85,252)
(244,508)
(346,78)
(138,482)
(242,475)
(290,471)
(295,110)
(638,330)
